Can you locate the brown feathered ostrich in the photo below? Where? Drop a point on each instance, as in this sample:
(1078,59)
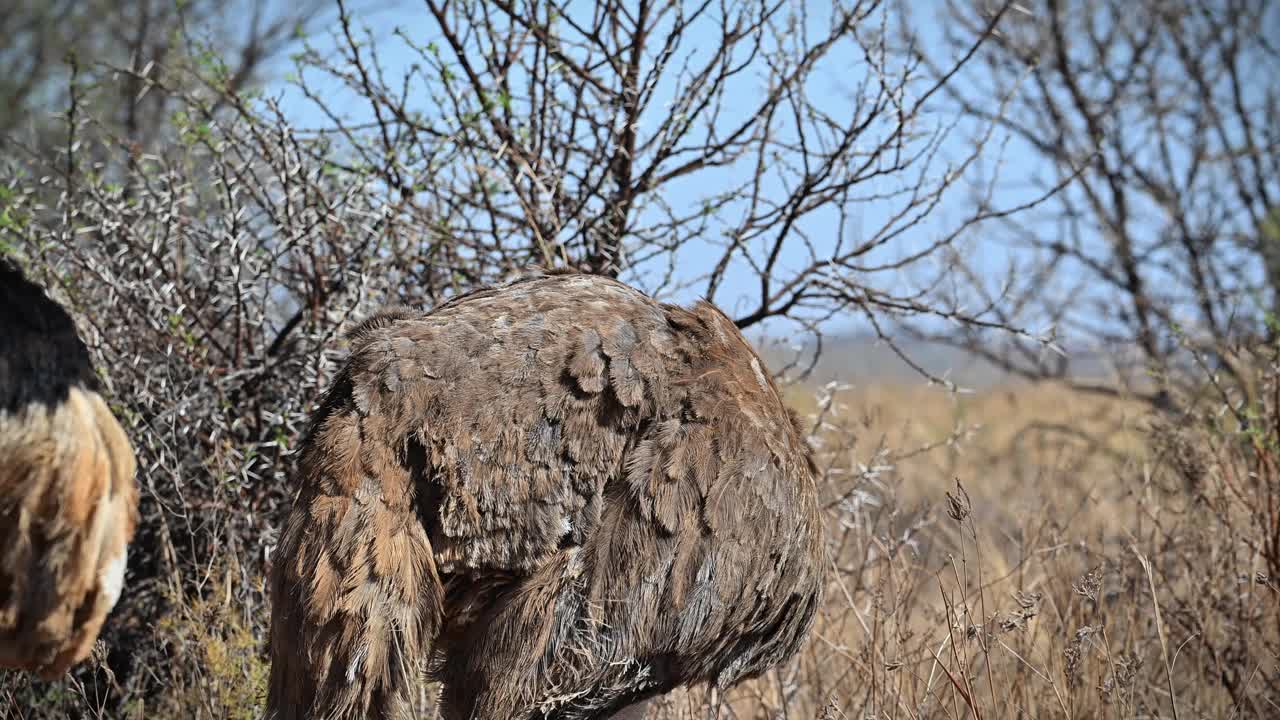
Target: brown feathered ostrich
(68,500)
(564,497)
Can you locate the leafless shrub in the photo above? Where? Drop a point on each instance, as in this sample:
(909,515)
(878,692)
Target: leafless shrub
(130,52)
(213,283)
(1158,121)
(213,276)
(733,151)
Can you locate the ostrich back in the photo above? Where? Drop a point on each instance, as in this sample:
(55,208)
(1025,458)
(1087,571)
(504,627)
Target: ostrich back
(561,495)
(68,501)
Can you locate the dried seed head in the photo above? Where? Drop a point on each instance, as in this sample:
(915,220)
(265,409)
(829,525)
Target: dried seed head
(1027,600)
(958,505)
(1183,453)
(1116,687)
(1074,655)
(1088,584)
(830,711)
(1028,608)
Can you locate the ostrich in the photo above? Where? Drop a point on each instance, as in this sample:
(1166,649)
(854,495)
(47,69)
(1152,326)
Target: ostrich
(68,502)
(561,496)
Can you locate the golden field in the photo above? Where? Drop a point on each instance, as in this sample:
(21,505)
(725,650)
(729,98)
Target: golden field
(1080,568)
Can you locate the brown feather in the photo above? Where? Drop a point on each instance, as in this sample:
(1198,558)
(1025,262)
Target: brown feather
(68,498)
(607,499)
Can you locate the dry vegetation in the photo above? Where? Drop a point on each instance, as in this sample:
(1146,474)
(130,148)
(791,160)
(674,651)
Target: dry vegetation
(1025,551)
(1049,555)
(1045,549)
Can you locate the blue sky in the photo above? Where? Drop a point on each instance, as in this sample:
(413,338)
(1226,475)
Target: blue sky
(834,85)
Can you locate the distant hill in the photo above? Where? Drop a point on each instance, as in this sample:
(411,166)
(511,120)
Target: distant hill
(861,358)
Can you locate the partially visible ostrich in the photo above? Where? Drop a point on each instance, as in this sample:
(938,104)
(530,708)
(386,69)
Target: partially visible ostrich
(564,497)
(68,500)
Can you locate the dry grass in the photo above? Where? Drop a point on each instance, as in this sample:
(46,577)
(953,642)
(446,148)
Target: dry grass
(1022,552)
(1029,552)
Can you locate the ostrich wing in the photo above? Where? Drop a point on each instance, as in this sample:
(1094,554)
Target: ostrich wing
(559,487)
(68,502)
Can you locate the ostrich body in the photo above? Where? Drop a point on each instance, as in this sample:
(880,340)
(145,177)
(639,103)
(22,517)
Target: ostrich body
(562,495)
(68,500)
